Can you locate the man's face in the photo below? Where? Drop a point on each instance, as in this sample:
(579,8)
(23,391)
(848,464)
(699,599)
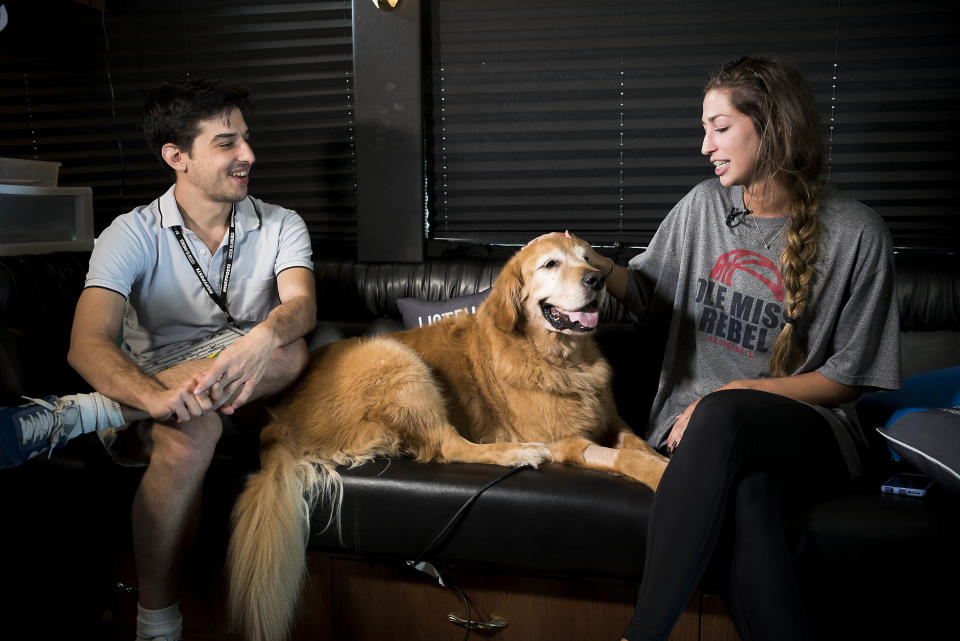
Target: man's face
(220,161)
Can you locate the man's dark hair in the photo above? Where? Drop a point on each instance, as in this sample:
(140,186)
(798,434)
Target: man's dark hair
(174,110)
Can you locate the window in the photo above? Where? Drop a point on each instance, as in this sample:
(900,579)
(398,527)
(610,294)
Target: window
(75,79)
(586,115)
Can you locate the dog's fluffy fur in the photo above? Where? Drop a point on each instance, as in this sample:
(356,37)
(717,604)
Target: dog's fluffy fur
(521,382)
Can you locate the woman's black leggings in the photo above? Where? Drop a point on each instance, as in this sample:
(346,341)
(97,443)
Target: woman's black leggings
(742,452)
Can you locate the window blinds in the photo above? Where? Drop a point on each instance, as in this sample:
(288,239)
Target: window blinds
(74,80)
(586,115)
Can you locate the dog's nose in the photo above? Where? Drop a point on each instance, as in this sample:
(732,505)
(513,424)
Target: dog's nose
(593,280)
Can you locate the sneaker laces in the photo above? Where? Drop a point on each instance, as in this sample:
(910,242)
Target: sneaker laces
(34,426)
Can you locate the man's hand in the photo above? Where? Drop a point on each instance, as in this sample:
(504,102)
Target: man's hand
(235,373)
(240,368)
(179,404)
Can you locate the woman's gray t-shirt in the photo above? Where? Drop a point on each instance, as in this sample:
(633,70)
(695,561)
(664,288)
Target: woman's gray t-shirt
(722,291)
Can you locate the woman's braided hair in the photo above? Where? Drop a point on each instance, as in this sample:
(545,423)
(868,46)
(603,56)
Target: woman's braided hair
(778,101)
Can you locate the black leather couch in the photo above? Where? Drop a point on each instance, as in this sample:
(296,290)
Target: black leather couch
(872,565)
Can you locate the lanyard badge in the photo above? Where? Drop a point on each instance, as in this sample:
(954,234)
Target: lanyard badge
(221,298)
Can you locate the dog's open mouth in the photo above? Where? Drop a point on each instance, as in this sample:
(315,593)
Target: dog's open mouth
(584,319)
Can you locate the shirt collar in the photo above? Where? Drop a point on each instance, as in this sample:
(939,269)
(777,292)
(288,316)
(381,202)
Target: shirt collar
(248,217)
(169,211)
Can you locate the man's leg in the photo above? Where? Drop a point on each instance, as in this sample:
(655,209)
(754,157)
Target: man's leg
(166,508)
(45,424)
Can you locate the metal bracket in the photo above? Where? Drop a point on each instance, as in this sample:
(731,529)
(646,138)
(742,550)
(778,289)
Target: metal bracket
(123,588)
(493,624)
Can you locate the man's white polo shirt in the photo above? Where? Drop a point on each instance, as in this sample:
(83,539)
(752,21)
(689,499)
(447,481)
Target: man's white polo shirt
(138,256)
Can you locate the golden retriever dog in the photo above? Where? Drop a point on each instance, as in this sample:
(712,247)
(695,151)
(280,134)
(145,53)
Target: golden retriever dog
(521,382)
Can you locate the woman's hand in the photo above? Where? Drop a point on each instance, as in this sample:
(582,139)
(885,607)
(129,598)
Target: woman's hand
(680,426)
(616,277)
(604,264)
(810,387)
(552,234)
(683,418)
(594,257)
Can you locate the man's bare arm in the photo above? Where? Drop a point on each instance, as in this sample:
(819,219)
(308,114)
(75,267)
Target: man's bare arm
(95,356)
(240,367)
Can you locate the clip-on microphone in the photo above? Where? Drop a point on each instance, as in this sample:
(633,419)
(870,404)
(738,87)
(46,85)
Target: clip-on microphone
(737,216)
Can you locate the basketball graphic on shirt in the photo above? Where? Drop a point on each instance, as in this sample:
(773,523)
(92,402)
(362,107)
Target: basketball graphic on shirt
(751,264)
(732,307)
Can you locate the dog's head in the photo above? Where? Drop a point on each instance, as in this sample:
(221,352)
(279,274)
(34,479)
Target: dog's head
(550,284)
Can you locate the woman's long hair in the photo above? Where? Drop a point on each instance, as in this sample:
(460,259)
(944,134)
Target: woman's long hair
(778,101)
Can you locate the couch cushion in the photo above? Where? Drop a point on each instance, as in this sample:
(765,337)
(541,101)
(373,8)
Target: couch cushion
(574,522)
(927,390)
(417,312)
(863,525)
(930,441)
(556,519)
(38,295)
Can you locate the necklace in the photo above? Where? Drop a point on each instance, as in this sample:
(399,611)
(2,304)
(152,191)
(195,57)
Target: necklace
(765,243)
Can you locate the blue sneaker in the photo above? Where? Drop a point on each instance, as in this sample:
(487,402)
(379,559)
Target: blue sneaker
(35,428)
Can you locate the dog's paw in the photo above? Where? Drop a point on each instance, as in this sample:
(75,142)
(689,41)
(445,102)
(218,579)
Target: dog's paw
(646,467)
(631,441)
(532,454)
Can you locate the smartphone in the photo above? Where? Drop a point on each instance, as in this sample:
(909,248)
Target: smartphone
(908,484)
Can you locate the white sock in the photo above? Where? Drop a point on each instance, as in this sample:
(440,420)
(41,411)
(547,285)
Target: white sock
(165,624)
(97,411)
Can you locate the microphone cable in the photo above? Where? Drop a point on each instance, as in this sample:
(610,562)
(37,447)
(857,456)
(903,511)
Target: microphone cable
(431,569)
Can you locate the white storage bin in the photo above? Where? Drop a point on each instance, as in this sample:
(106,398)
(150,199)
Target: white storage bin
(36,173)
(38,220)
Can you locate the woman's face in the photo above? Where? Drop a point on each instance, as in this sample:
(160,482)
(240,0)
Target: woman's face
(729,139)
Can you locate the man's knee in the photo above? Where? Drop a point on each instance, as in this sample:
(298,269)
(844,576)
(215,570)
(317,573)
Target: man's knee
(288,362)
(187,447)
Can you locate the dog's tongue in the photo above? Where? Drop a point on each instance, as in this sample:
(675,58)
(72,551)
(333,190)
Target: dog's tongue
(586,319)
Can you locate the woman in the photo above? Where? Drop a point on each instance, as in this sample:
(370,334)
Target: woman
(780,297)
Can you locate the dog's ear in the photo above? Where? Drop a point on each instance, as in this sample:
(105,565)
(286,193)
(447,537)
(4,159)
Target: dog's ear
(504,301)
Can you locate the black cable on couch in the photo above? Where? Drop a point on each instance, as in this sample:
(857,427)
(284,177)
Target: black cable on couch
(427,567)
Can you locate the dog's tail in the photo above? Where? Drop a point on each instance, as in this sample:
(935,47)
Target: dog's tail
(266,558)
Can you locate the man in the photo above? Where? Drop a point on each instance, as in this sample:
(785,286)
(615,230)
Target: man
(214,290)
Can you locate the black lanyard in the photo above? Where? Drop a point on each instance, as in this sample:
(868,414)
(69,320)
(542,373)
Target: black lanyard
(221,299)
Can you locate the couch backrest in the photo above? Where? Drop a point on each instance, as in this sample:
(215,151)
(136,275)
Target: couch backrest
(38,295)
(928,291)
(353,291)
